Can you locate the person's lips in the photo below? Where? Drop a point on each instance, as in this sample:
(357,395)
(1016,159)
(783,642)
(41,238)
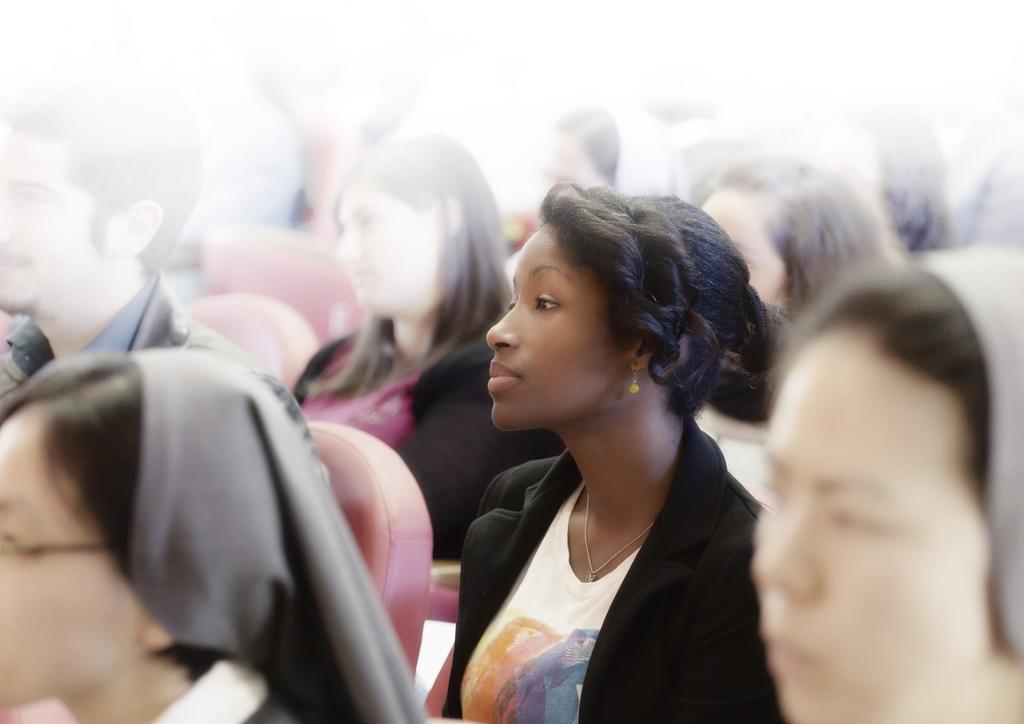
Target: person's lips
(502,378)
(787,659)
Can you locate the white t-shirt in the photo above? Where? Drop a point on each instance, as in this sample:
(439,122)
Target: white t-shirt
(530,663)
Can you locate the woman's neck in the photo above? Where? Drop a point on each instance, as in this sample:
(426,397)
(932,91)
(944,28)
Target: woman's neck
(413,338)
(137,693)
(627,459)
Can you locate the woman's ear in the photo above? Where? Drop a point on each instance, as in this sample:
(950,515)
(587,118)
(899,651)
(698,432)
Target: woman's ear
(640,356)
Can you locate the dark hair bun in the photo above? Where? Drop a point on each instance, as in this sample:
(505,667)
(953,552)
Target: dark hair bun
(674,279)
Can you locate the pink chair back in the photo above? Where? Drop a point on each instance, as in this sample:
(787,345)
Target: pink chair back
(287,265)
(444,591)
(384,507)
(273,334)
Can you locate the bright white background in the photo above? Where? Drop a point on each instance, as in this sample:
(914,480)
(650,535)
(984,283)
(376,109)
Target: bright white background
(496,74)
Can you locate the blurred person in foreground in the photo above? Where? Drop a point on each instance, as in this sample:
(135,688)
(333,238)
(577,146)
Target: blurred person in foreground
(151,576)
(891,573)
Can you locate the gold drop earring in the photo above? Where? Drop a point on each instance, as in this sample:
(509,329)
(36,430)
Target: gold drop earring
(634,385)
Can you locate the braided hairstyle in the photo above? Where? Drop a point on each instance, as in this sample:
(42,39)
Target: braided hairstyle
(673,279)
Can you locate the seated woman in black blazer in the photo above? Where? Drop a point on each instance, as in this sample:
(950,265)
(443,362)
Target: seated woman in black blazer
(612,583)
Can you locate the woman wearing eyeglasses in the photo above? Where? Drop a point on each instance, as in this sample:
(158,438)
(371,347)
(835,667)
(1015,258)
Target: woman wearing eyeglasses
(153,570)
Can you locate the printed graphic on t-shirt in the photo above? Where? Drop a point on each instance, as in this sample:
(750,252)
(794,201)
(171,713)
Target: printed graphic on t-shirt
(526,672)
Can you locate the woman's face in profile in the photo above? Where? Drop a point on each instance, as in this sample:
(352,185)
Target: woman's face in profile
(393,252)
(68,620)
(556,359)
(745,218)
(873,569)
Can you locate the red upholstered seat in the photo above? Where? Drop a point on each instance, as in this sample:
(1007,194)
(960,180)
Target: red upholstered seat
(287,265)
(273,334)
(384,507)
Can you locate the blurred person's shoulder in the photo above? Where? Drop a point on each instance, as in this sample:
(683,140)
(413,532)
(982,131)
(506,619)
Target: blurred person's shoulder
(471,357)
(464,369)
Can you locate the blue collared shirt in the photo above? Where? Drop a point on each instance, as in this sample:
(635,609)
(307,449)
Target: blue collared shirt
(119,334)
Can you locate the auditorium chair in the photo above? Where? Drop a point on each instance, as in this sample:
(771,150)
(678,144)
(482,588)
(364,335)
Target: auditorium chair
(287,265)
(270,331)
(385,509)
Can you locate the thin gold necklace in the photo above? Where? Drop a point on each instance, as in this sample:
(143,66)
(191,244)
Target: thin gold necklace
(592,572)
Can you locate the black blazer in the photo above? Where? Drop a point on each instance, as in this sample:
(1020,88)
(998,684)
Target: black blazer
(164,323)
(680,642)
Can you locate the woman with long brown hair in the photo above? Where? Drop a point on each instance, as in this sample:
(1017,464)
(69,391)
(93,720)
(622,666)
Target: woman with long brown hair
(421,234)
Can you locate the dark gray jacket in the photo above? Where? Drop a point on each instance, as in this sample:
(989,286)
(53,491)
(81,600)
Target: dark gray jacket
(164,323)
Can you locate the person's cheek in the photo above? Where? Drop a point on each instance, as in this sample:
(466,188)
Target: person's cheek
(878,621)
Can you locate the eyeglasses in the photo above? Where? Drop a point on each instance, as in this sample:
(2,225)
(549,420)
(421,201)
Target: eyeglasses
(12,548)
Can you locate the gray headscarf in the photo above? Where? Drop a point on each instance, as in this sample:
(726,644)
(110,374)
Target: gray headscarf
(990,286)
(238,546)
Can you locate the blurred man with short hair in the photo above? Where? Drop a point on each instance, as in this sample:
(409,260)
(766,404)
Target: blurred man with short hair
(97,179)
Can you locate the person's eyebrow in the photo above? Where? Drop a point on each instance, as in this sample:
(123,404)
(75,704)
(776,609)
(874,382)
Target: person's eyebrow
(837,486)
(829,486)
(542,267)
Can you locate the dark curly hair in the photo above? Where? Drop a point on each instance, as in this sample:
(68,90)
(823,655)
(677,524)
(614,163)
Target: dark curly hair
(674,280)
